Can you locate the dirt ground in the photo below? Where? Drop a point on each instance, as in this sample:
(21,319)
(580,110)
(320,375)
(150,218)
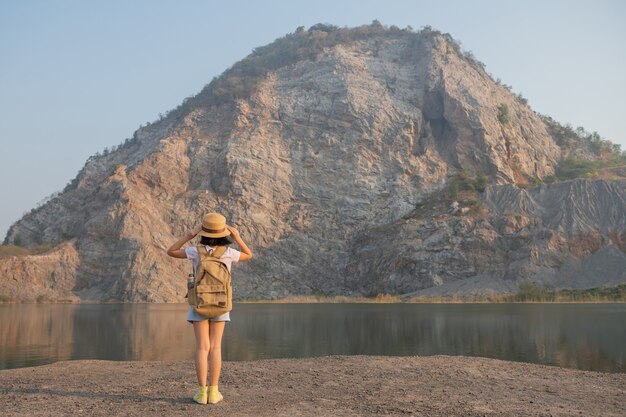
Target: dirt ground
(328,386)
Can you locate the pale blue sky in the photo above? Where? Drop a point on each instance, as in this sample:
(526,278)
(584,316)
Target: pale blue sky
(79,76)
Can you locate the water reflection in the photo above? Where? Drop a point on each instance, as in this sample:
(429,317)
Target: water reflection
(35,334)
(590,337)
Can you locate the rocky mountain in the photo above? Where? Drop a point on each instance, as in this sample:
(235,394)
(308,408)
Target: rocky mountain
(333,151)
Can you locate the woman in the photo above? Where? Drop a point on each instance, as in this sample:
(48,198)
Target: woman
(214,232)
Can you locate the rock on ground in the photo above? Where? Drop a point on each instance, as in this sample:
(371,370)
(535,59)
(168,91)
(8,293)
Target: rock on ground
(328,386)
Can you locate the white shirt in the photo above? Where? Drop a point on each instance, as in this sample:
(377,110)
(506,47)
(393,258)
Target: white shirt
(229,257)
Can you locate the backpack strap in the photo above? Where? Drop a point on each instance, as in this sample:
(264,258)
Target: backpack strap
(217,252)
(202,252)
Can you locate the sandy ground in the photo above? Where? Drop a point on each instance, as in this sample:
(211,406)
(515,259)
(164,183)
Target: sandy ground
(329,386)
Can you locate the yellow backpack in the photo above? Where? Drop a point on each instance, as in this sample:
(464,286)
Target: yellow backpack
(212,294)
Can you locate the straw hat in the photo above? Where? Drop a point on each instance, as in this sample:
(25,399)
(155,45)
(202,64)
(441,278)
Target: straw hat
(214,225)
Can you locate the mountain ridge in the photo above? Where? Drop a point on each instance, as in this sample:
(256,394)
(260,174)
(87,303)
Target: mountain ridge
(307,154)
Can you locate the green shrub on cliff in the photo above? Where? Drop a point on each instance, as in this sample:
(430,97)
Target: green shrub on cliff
(464,182)
(454,189)
(481,182)
(503,114)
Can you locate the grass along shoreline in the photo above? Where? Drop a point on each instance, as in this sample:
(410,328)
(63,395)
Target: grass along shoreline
(528,293)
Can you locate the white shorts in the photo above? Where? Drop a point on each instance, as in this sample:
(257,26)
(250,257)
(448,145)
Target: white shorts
(193,316)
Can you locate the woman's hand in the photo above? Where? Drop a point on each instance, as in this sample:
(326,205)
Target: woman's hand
(246,253)
(175,250)
(195,232)
(233,231)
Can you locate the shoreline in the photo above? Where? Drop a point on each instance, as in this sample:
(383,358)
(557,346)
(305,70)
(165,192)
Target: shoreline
(528,294)
(332,300)
(331,385)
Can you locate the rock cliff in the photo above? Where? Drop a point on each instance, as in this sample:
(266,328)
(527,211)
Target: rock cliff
(330,150)
(565,235)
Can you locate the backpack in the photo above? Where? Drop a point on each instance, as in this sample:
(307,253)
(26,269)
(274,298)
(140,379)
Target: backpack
(212,294)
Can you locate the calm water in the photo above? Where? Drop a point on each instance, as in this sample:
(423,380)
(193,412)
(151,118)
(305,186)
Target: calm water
(583,336)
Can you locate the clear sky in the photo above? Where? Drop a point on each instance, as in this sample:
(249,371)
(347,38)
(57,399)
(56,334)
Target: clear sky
(79,76)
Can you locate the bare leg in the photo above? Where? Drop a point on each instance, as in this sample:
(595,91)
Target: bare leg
(215,351)
(203,345)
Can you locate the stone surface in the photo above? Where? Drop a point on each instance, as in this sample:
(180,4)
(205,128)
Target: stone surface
(431,386)
(321,168)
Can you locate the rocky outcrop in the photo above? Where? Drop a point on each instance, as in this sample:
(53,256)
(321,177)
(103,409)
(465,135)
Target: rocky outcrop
(565,235)
(49,276)
(321,166)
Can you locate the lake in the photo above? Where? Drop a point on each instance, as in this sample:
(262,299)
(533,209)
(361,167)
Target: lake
(581,336)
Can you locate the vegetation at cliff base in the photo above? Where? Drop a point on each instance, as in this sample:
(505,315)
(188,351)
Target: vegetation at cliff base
(528,293)
(330,299)
(532,292)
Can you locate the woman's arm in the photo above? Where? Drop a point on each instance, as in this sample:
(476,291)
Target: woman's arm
(246,253)
(175,250)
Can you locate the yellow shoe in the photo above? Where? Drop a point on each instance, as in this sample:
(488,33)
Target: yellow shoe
(214,395)
(200,397)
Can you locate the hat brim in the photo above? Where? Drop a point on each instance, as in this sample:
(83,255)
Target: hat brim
(223,233)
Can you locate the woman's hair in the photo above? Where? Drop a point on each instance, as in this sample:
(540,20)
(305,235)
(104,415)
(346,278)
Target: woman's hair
(215,241)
